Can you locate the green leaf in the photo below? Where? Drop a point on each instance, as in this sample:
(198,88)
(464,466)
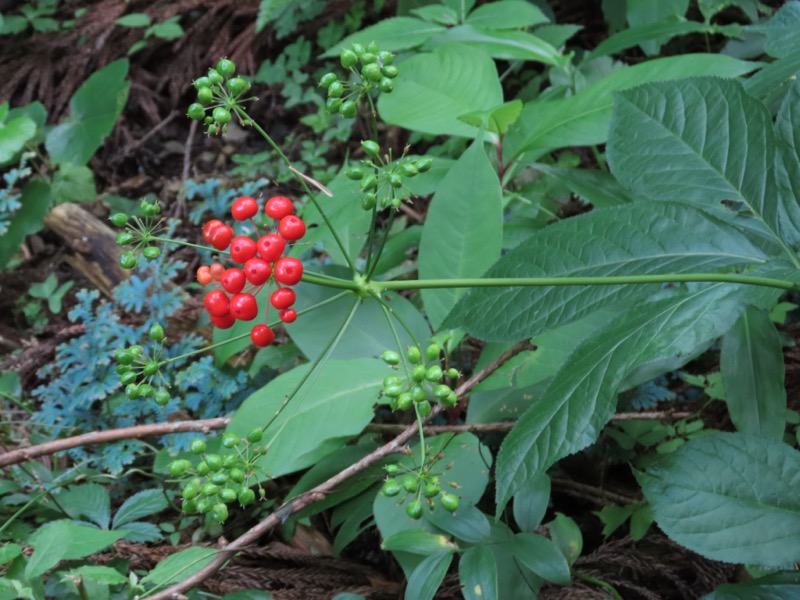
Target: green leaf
(141,504)
(179,566)
(134,20)
(496,120)
(638,238)
(468,524)
(266,10)
(393,34)
(507,14)
(94,110)
(437,13)
(645,12)
(477,572)
(541,556)
(644,33)
(9,552)
(781,31)
(28,219)
(613,516)
(73,183)
(503,44)
(428,576)
(418,541)
(712,496)
(335,403)
(248,595)
(98,574)
(88,500)
(651,338)
(717,141)
(168,30)
(787,130)
(65,540)
(465,246)
(596,187)
(751,363)
(530,502)
(775,78)
(567,537)
(433,89)
(141,532)
(777,586)
(13,136)
(583,119)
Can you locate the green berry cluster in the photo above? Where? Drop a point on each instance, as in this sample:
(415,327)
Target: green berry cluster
(381,179)
(373,70)
(421,489)
(218,92)
(423,383)
(219,480)
(139,234)
(139,371)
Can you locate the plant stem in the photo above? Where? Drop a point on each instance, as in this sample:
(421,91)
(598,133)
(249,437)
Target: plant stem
(418,284)
(371,267)
(164,240)
(333,282)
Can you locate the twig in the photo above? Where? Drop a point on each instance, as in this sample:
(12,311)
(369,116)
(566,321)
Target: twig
(504,426)
(113,435)
(592,493)
(318,493)
(164,122)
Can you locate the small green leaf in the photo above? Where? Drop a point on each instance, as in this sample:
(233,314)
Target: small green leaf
(73,183)
(496,120)
(751,363)
(777,586)
(65,540)
(97,574)
(567,537)
(502,44)
(9,552)
(541,556)
(644,33)
(613,516)
(134,20)
(179,566)
(88,500)
(13,136)
(418,541)
(393,34)
(594,186)
(141,504)
(507,14)
(477,572)
(710,496)
(645,12)
(428,576)
(530,502)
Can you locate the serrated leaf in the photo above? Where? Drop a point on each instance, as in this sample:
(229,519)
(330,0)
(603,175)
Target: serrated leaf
(141,504)
(88,500)
(141,532)
(644,12)
(541,556)
(501,44)
(94,109)
(751,363)
(644,33)
(638,238)
(507,14)
(73,183)
(781,30)
(583,119)
(777,586)
(433,89)
(594,186)
(335,403)
(427,577)
(787,130)
(447,249)
(717,140)
(98,574)
(660,335)
(393,34)
(179,566)
(65,540)
(418,541)
(477,573)
(730,497)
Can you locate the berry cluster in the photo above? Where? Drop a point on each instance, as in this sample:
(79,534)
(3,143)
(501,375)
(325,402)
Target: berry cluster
(218,92)
(421,487)
(381,179)
(139,372)
(218,480)
(262,261)
(139,233)
(422,385)
(376,72)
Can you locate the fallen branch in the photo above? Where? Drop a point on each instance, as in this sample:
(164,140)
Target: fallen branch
(322,490)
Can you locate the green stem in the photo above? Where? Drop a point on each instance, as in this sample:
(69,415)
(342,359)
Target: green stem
(418,284)
(333,282)
(156,238)
(244,116)
(371,268)
(392,314)
(593,580)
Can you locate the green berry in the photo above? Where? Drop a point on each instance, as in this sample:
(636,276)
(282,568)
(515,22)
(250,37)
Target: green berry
(136,350)
(119,219)
(414,355)
(219,513)
(372,48)
(202,82)
(368,57)
(336,89)
(432,352)
(392,391)
(219,478)
(132,391)
(385,57)
(453,373)
(430,490)
(214,77)
(149,209)
(333,105)
(355,172)
(230,440)
(327,80)
(390,488)
(236,475)
(424,408)
(205,95)
(414,509)
(190,491)
(348,58)
(246,496)
(369,182)
(410,484)
(418,373)
(197,447)
(127,260)
(237,85)
(405,401)
(146,390)
(390,357)
(449,502)
(221,115)
(441,391)
(178,468)
(209,489)
(150,368)
(151,252)
(122,369)
(214,462)
(255,436)
(202,468)
(395,180)
(212,130)
(450,400)
(369,200)
(424,164)
(386,85)
(370,147)
(392,469)
(196,111)
(128,378)
(389,71)
(418,393)
(409,169)
(125,356)
(348,109)
(392,380)
(434,374)
(230,460)
(227,495)
(358,49)
(162,397)
(203,505)
(156,332)
(226,67)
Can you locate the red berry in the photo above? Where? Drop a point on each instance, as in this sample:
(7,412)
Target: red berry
(204,275)
(216,271)
(288,315)
(209,228)
(244,307)
(242,249)
(262,336)
(288,270)
(292,228)
(221,237)
(244,208)
(271,247)
(233,280)
(257,271)
(217,303)
(225,322)
(278,207)
(283,298)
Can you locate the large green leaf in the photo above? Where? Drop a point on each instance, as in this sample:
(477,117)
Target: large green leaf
(392,34)
(65,540)
(28,219)
(89,500)
(646,12)
(781,30)
(582,119)
(428,576)
(93,112)
(649,339)
(433,89)
(507,14)
(332,406)
(477,572)
(702,140)
(751,363)
(141,504)
(638,238)
(177,567)
(787,130)
(730,497)
(777,586)
(541,556)
(501,44)
(465,246)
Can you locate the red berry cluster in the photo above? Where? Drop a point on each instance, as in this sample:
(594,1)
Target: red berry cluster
(261,261)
